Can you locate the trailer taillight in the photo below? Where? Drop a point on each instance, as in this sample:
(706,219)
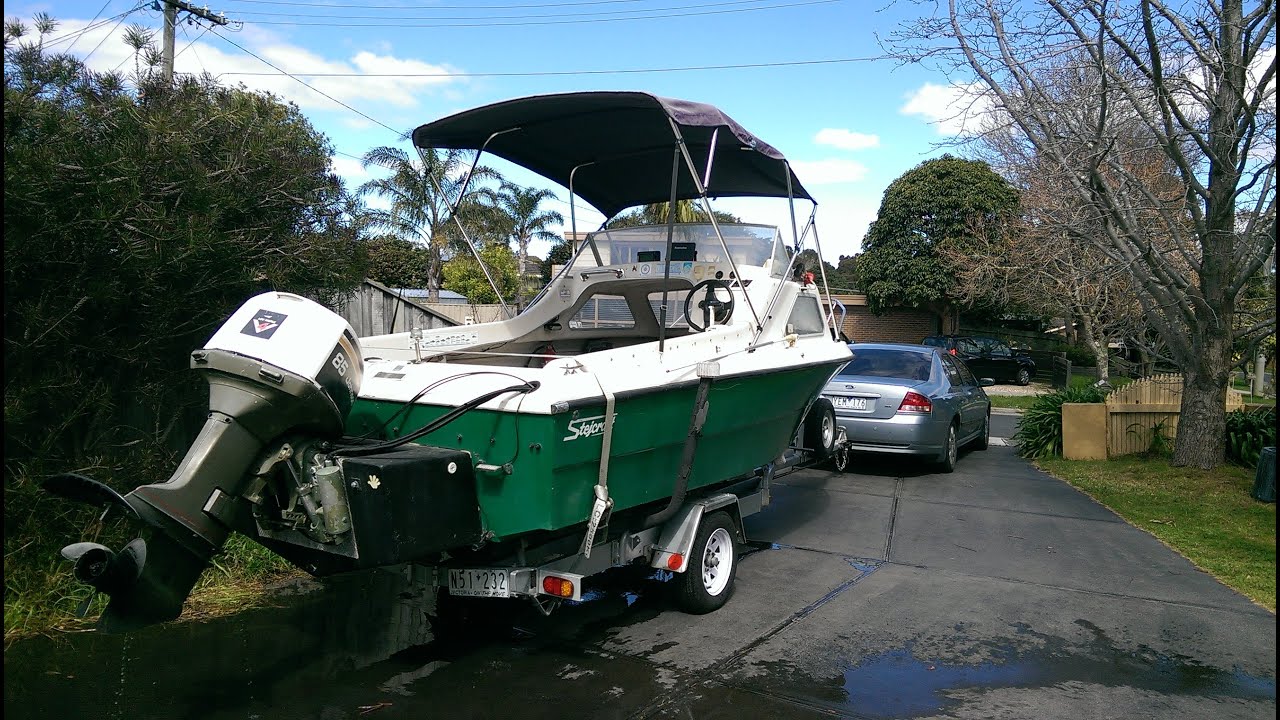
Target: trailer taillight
(558,586)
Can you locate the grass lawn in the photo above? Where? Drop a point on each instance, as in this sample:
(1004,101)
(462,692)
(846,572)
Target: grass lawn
(1249,398)
(1016,402)
(1206,515)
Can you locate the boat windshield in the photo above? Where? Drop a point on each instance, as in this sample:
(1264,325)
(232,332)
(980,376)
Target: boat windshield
(753,245)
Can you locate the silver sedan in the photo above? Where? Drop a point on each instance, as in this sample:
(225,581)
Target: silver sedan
(910,400)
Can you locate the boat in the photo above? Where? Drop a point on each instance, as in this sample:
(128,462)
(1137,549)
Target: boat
(661,364)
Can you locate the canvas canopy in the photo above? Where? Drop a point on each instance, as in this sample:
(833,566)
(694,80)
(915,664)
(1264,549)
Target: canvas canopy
(622,144)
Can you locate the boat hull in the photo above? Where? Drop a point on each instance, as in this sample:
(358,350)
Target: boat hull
(554,460)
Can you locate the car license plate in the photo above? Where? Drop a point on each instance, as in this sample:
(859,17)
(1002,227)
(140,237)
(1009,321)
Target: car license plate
(851,403)
(486,582)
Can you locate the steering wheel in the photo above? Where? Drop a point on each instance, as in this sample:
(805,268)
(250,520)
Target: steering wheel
(711,304)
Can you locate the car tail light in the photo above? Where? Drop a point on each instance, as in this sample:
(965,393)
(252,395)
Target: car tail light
(914,402)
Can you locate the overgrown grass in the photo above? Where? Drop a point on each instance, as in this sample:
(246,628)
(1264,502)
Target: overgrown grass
(41,596)
(1206,515)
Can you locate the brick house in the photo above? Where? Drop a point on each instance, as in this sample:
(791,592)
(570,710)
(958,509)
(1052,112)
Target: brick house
(900,324)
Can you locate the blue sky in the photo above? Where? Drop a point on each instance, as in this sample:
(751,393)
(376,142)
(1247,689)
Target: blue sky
(849,122)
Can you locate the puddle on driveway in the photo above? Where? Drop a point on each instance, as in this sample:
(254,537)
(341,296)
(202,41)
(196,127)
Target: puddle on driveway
(900,683)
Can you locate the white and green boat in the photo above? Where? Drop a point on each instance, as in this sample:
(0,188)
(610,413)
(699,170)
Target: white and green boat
(661,367)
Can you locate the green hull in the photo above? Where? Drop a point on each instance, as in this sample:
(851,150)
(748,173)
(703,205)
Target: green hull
(750,420)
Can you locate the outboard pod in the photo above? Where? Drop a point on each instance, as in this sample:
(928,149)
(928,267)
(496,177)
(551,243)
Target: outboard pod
(281,363)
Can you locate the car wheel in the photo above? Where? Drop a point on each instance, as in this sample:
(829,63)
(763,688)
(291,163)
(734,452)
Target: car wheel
(820,429)
(707,582)
(950,451)
(983,441)
(1024,376)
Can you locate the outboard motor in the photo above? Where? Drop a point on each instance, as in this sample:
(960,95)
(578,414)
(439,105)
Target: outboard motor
(281,363)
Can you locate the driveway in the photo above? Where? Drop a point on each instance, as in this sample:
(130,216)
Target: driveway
(891,592)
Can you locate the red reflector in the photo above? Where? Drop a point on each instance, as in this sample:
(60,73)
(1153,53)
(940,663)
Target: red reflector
(557,586)
(952,351)
(914,402)
(675,562)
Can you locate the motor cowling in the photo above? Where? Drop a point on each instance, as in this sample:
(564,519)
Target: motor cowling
(280,364)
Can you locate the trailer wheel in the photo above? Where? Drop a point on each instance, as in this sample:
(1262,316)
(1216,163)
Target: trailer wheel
(820,429)
(707,581)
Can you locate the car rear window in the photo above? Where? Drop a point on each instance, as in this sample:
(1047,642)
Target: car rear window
(874,362)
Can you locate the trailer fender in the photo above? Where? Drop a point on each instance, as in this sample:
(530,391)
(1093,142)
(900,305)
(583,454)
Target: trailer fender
(676,541)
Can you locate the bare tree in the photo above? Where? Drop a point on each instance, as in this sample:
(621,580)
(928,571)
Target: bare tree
(1188,88)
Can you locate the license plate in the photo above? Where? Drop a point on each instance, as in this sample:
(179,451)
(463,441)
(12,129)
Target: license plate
(850,403)
(487,582)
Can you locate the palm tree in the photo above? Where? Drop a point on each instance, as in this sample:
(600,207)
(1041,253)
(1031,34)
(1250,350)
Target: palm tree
(657,214)
(524,222)
(420,192)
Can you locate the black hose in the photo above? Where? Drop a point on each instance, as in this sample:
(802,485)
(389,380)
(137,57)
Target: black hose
(454,414)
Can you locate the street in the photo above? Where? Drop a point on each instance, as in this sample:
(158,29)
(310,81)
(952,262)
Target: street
(889,592)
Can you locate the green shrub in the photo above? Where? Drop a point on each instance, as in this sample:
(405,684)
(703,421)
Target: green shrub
(1248,431)
(1040,430)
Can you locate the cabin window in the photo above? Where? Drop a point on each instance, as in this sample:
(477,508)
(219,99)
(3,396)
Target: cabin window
(806,318)
(603,312)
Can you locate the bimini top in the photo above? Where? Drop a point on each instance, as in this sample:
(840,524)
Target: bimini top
(622,144)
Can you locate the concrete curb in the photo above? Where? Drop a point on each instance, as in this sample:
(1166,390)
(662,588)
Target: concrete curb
(1006,411)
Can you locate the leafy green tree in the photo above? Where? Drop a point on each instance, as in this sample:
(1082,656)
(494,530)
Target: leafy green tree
(560,254)
(420,192)
(844,279)
(463,275)
(398,263)
(135,221)
(525,221)
(938,203)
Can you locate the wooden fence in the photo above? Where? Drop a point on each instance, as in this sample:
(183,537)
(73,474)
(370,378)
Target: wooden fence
(1139,411)
(376,309)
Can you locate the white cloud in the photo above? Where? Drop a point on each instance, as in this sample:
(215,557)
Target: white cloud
(846,139)
(349,169)
(232,65)
(952,109)
(829,171)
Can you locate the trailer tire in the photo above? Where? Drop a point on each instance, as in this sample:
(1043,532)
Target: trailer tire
(820,429)
(707,582)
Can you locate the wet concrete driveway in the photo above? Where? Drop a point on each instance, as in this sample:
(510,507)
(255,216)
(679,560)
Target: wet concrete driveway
(994,592)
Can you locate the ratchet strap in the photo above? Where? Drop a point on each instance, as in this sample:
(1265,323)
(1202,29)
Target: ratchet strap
(602,503)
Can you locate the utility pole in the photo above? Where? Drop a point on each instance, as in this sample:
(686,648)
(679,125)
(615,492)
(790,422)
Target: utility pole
(171,8)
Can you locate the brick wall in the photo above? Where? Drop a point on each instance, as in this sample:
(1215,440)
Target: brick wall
(906,325)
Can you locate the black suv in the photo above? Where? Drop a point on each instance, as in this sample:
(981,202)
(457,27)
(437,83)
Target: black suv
(987,357)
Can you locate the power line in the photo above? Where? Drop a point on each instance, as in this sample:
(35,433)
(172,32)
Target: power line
(95,17)
(724,3)
(552,73)
(304,83)
(76,34)
(432,6)
(104,37)
(492,23)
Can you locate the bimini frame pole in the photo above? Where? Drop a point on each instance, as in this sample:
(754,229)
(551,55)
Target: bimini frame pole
(826,289)
(453,213)
(573,215)
(666,254)
(706,206)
